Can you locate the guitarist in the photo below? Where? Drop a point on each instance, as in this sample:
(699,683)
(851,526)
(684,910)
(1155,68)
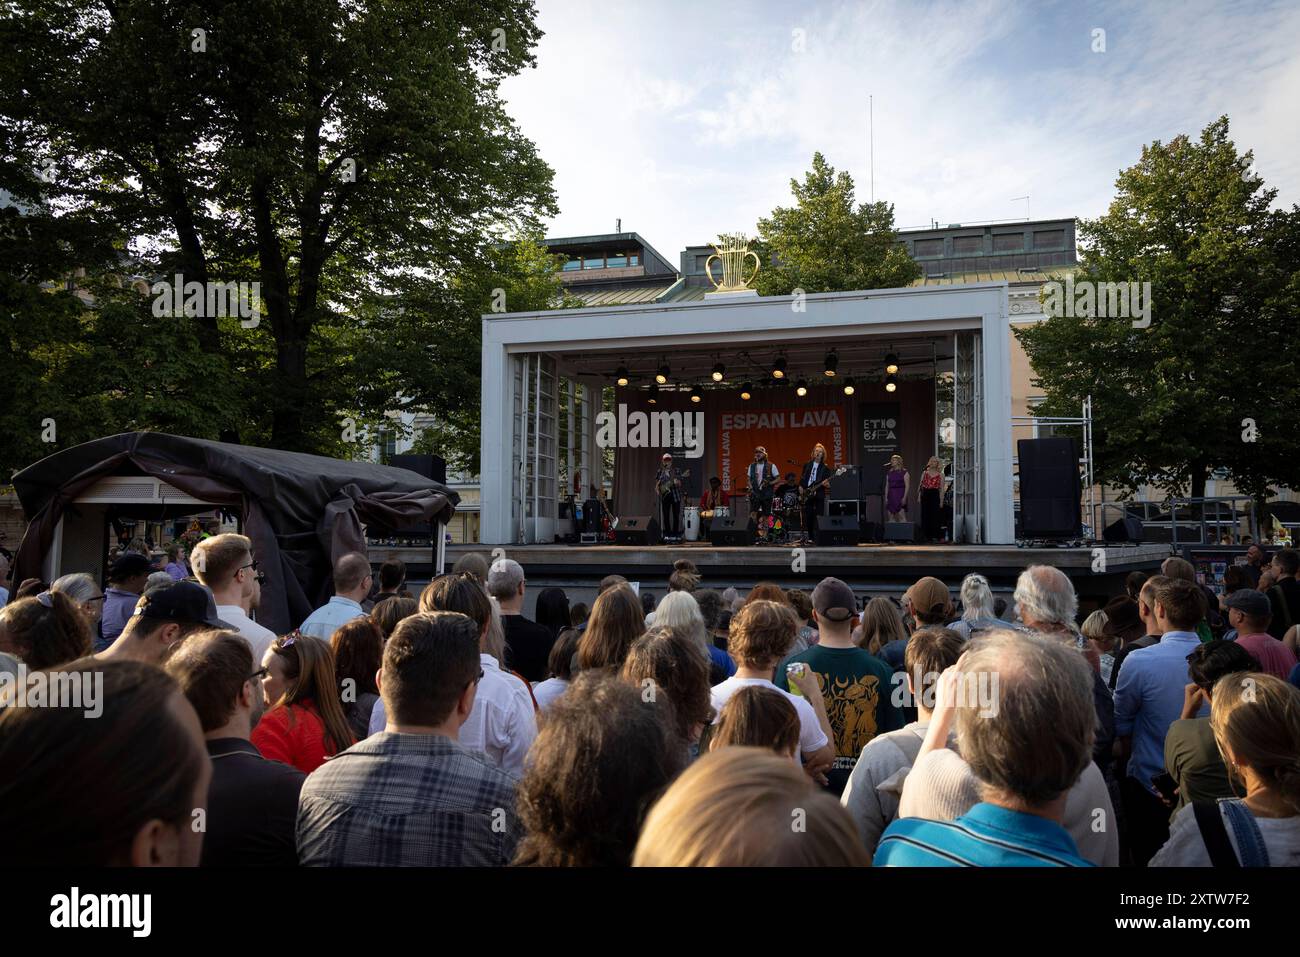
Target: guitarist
(668,489)
(762,477)
(812,490)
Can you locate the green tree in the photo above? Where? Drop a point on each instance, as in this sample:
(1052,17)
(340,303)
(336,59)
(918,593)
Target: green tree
(330,151)
(828,242)
(1217,365)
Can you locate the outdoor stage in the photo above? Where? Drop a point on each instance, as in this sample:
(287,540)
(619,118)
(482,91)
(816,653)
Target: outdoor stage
(869,569)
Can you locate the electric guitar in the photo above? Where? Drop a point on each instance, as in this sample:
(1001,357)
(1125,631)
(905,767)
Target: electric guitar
(805,491)
(663,488)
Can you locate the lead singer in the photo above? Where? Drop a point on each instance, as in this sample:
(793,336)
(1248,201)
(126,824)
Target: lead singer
(668,491)
(812,491)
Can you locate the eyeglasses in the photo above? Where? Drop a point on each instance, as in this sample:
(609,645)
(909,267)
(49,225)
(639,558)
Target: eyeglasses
(254,565)
(259,674)
(476,680)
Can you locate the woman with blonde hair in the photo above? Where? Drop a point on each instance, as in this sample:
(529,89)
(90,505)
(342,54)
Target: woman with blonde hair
(898,483)
(930,498)
(304,722)
(1256,722)
(734,807)
(881,624)
(681,612)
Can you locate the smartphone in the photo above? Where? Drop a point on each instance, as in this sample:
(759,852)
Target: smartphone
(1164,783)
(794,669)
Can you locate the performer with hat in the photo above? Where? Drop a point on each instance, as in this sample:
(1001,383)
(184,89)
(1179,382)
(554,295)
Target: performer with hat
(668,493)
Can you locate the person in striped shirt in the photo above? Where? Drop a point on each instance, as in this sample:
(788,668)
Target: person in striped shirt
(1025,726)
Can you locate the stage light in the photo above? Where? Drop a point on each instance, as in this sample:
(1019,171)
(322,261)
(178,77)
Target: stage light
(662,375)
(653,397)
(747,391)
(695,393)
(719,371)
(801,388)
(891,384)
(891,364)
(848,387)
(778,368)
(832,362)
(621,375)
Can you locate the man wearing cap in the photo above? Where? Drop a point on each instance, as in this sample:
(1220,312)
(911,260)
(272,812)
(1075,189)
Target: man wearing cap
(163,618)
(668,488)
(1249,613)
(126,580)
(762,477)
(855,684)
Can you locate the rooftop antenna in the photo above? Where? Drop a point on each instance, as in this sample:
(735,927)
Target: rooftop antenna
(618,225)
(871,125)
(1016,199)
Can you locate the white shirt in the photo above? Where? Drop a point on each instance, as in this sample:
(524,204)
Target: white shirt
(329,617)
(549,691)
(811,736)
(258,636)
(502,724)
(1186,847)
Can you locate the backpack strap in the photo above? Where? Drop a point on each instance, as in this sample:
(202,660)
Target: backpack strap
(1215,835)
(1250,841)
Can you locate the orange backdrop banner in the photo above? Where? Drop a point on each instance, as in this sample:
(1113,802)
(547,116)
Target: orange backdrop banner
(787,434)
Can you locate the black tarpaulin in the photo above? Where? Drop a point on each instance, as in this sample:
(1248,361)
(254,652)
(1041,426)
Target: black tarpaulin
(301,511)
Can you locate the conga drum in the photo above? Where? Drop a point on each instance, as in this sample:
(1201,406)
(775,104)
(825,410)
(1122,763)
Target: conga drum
(691,523)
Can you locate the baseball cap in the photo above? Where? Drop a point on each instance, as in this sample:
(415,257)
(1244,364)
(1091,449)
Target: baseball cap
(183,601)
(928,595)
(834,600)
(1249,602)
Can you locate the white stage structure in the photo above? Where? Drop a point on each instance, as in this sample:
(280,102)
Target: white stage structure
(524,369)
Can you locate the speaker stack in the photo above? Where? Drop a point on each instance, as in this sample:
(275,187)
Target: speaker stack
(1127,530)
(1050,489)
(730,531)
(637,530)
(837,530)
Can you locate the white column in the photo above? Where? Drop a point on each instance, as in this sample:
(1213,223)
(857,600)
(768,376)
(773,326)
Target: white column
(497,397)
(999,517)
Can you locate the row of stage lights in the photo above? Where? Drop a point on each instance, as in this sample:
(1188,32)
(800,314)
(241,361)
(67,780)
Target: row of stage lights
(829,370)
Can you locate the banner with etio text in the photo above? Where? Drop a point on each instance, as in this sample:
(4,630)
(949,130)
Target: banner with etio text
(788,435)
(881,428)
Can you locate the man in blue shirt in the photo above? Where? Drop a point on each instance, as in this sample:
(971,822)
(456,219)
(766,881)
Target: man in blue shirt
(352,582)
(1148,699)
(1026,743)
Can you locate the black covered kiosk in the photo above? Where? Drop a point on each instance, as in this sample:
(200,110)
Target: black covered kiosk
(301,511)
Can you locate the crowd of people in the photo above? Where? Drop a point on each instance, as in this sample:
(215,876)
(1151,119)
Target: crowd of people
(772,726)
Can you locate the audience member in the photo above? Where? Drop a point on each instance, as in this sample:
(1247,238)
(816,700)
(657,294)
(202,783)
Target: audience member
(45,631)
(126,581)
(666,663)
(224,563)
(976,608)
(304,721)
(528,644)
(1256,722)
(119,791)
(1284,593)
(604,754)
(352,581)
(85,594)
(413,794)
(803,608)
(358,647)
(252,801)
(761,718)
(855,686)
(162,619)
(616,621)
(553,610)
(388,613)
(559,668)
(1124,627)
(579,612)
(1249,614)
(881,625)
(734,808)
(680,612)
(872,792)
(474,565)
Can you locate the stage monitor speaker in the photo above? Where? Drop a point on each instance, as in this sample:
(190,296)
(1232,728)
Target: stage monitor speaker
(871,531)
(637,530)
(837,530)
(1050,491)
(730,532)
(900,531)
(1126,529)
(430,466)
(845,486)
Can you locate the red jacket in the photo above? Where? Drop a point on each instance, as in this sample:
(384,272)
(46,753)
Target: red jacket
(723,499)
(294,735)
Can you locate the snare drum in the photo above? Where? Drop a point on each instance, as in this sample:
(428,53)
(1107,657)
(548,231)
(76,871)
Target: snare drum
(691,523)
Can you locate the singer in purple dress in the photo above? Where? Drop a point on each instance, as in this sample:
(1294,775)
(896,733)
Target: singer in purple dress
(899,484)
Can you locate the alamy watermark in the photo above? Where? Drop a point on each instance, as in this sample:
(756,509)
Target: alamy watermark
(82,690)
(210,300)
(1086,299)
(651,430)
(974,689)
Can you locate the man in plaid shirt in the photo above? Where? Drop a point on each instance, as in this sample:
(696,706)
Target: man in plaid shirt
(411,795)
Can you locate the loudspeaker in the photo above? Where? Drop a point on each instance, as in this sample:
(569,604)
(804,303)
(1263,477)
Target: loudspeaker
(842,508)
(730,531)
(837,530)
(637,530)
(592,511)
(1126,529)
(430,466)
(844,486)
(900,531)
(871,531)
(1050,491)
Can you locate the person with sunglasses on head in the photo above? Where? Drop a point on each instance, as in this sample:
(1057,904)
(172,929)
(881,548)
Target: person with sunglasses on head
(304,721)
(225,565)
(252,800)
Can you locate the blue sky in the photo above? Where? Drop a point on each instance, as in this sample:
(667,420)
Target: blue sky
(687,119)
